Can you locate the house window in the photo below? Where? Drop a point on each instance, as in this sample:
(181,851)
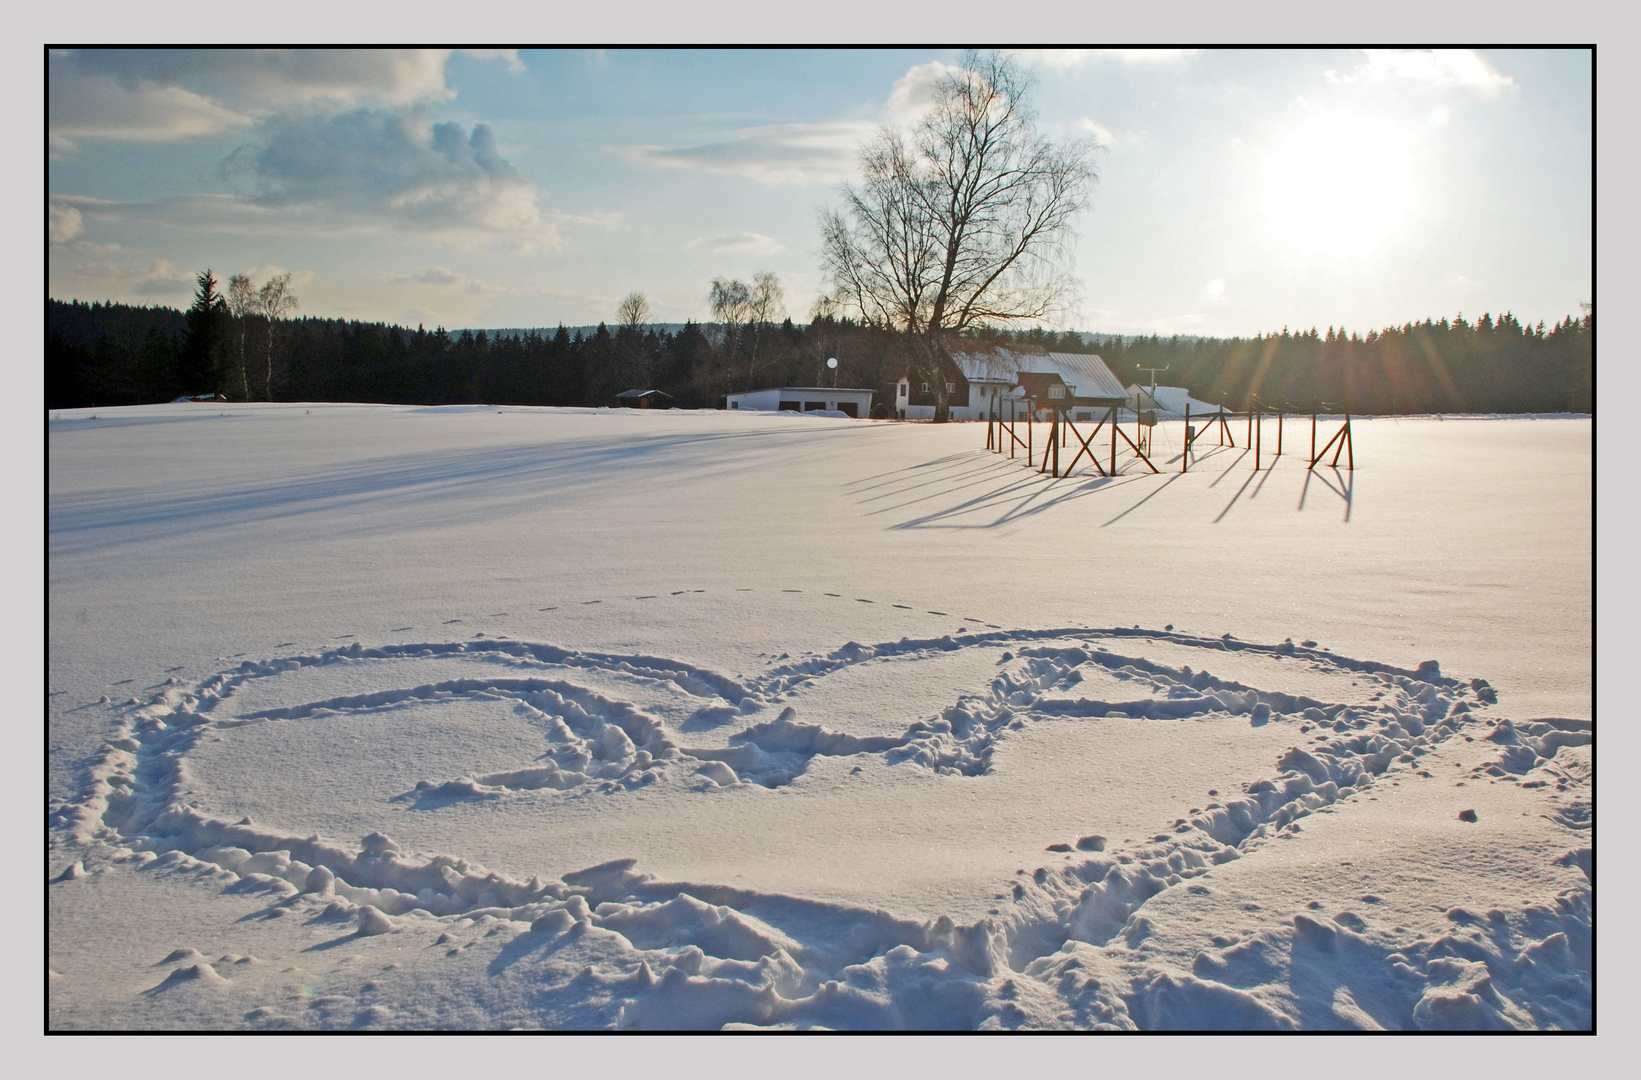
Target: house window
(735,404)
(925,388)
(951,388)
(1056,392)
(1085,415)
(902,389)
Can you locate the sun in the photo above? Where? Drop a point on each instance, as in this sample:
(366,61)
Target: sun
(1340,183)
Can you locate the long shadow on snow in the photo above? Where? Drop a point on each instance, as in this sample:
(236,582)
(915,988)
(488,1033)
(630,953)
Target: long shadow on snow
(517,478)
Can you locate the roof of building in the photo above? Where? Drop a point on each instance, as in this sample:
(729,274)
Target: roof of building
(643,394)
(991,365)
(808,390)
(1087,375)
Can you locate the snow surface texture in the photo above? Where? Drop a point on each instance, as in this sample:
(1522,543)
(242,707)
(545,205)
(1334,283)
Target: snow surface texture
(682,807)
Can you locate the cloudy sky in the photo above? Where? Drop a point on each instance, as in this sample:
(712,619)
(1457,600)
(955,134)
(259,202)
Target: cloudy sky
(1239,191)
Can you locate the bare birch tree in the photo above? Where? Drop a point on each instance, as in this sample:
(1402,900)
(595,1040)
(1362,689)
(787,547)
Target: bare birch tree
(964,221)
(765,304)
(274,302)
(242,304)
(731,299)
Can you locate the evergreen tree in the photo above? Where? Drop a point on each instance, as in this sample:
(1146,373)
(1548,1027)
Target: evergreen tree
(204,339)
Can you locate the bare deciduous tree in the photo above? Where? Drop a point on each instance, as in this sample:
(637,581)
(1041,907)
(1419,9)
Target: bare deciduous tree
(765,304)
(741,309)
(274,301)
(730,299)
(964,221)
(242,303)
(633,312)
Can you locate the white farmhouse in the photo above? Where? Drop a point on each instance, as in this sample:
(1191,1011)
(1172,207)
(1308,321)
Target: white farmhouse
(984,377)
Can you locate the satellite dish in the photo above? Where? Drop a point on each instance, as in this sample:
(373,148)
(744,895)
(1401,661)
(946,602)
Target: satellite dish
(831,361)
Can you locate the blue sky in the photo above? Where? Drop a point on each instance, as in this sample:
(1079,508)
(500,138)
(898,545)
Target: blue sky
(1239,191)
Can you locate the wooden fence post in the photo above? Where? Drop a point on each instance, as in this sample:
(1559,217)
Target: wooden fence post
(1113,419)
(1184,459)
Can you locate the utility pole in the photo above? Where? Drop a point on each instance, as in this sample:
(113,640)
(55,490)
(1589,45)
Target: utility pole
(1153,372)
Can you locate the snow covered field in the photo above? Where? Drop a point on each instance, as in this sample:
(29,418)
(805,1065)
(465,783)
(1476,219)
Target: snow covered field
(370,716)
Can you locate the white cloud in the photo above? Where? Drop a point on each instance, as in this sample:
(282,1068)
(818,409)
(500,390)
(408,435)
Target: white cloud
(159,279)
(913,92)
(744,242)
(1438,67)
(260,79)
(510,57)
(605,220)
(1102,134)
(396,170)
(433,275)
(770,154)
(63,222)
(1064,59)
(100,108)
(157,95)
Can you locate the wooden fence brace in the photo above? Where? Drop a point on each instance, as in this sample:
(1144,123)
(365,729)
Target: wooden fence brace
(1344,441)
(1087,445)
(1338,436)
(1279,433)
(1313,438)
(1259,437)
(1137,451)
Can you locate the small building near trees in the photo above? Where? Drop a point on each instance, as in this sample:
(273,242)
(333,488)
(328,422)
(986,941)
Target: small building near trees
(644,399)
(850,401)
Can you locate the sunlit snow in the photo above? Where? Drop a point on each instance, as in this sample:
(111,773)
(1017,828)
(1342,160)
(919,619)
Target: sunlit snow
(390,717)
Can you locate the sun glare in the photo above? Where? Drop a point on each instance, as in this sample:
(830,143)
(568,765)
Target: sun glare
(1340,183)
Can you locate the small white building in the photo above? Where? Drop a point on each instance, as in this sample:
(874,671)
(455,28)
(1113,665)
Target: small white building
(1169,401)
(832,399)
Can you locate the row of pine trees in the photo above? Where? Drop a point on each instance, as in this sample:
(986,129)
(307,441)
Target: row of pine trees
(227,345)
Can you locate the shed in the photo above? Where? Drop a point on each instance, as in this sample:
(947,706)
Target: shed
(848,400)
(644,399)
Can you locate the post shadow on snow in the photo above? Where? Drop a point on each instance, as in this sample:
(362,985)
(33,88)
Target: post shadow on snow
(1029,492)
(926,472)
(1345,487)
(1234,498)
(1023,499)
(949,482)
(527,475)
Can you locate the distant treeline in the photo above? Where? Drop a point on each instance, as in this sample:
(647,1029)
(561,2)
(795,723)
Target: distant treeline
(115,354)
